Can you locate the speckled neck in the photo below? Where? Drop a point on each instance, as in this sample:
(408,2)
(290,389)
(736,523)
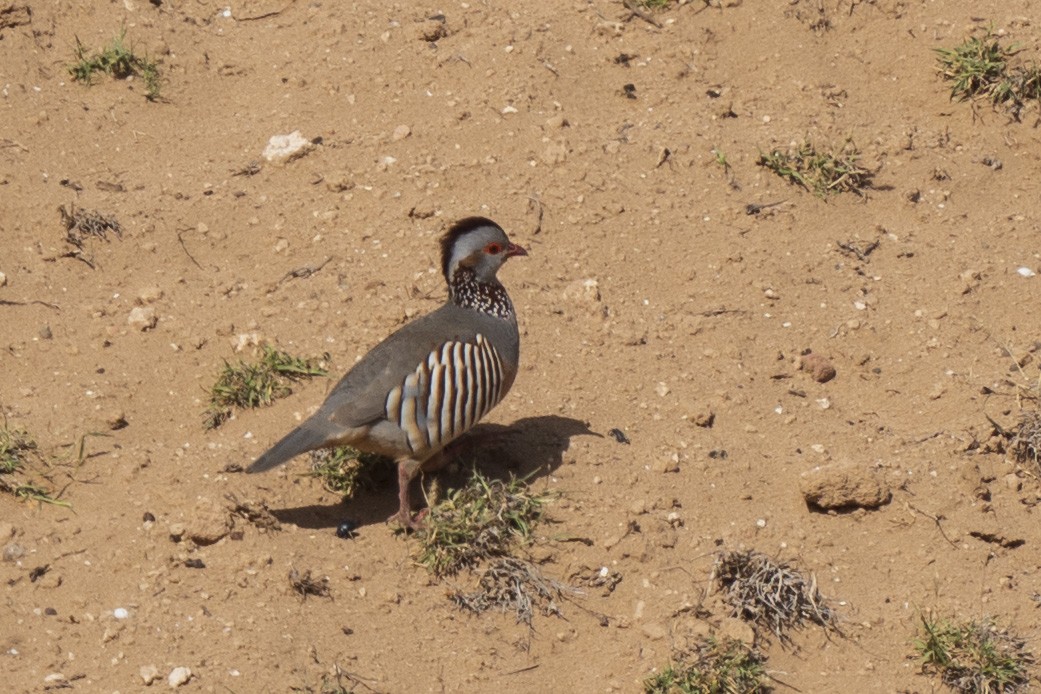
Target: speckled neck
(466,292)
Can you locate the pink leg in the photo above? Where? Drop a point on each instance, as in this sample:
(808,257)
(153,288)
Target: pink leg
(407,470)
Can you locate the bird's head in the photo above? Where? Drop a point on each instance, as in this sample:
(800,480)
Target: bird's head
(478,244)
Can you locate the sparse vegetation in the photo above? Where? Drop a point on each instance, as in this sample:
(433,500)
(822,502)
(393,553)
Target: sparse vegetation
(81,225)
(820,172)
(1026,439)
(770,594)
(712,667)
(257,384)
(974,657)
(514,585)
(343,469)
(118,61)
(981,68)
(480,520)
(20,460)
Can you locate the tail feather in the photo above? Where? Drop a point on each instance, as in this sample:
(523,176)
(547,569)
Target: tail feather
(300,440)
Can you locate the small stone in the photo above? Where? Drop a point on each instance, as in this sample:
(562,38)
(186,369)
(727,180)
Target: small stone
(3,280)
(7,531)
(150,295)
(243,340)
(176,531)
(704,419)
(654,631)
(178,676)
(556,121)
(13,551)
(400,133)
(666,465)
(149,674)
(818,367)
(283,149)
(45,333)
(555,153)
(586,291)
(843,486)
(54,678)
(142,318)
(116,420)
(209,522)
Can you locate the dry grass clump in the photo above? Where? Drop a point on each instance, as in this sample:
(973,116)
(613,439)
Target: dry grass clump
(974,657)
(514,585)
(712,667)
(820,171)
(342,470)
(257,384)
(1026,438)
(482,519)
(20,463)
(770,594)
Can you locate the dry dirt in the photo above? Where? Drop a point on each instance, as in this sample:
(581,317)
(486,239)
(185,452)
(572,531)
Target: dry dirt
(517,111)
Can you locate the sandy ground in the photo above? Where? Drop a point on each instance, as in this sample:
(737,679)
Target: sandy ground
(519,112)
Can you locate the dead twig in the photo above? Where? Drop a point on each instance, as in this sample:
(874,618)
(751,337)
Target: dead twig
(186,251)
(299,273)
(636,11)
(9,302)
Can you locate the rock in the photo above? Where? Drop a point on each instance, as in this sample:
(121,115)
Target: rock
(664,465)
(654,631)
(244,340)
(177,531)
(400,133)
(142,318)
(704,419)
(150,295)
(585,291)
(818,367)
(45,332)
(3,280)
(149,674)
(731,628)
(209,523)
(13,551)
(282,149)
(430,30)
(178,676)
(116,420)
(843,486)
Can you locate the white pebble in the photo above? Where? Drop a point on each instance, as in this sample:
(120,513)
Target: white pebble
(178,676)
(120,613)
(1025,272)
(761,523)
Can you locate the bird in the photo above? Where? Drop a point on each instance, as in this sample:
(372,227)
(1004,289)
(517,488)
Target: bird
(433,379)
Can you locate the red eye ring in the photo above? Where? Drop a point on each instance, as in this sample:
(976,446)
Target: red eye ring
(493,249)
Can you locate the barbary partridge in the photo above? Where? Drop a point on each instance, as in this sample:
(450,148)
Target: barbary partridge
(434,378)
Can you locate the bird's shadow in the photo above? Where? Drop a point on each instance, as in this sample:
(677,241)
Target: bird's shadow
(530,448)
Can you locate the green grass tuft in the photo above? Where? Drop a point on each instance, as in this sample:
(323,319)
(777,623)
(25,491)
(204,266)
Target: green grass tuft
(981,68)
(480,520)
(820,172)
(712,667)
(118,61)
(257,384)
(342,470)
(19,458)
(974,657)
